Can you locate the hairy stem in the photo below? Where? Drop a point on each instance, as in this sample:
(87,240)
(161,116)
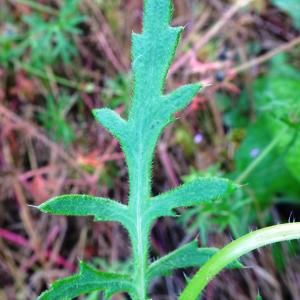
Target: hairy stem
(236,249)
(140,189)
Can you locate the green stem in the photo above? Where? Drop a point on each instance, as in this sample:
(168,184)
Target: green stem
(37,6)
(255,163)
(140,178)
(236,249)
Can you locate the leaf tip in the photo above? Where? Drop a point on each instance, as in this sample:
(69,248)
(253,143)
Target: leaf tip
(96,112)
(33,206)
(44,207)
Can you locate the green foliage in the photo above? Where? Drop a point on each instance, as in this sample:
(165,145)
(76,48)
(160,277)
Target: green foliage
(9,38)
(218,215)
(271,176)
(150,112)
(42,39)
(54,38)
(53,119)
(291,7)
(276,95)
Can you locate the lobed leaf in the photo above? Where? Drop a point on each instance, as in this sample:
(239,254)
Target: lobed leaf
(83,205)
(204,189)
(171,104)
(87,281)
(179,98)
(112,122)
(189,255)
(151,110)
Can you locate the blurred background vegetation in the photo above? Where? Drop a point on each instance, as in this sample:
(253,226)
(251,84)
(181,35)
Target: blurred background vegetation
(61,58)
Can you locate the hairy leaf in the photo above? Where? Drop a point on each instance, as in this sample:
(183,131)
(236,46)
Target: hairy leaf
(151,111)
(83,205)
(204,189)
(189,255)
(112,122)
(87,281)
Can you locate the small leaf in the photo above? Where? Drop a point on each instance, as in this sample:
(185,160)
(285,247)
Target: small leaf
(179,99)
(112,122)
(190,194)
(83,205)
(87,281)
(189,255)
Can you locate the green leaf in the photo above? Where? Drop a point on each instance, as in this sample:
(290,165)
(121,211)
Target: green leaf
(178,99)
(271,176)
(189,255)
(151,111)
(278,101)
(199,191)
(112,122)
(87,281)
(83,205)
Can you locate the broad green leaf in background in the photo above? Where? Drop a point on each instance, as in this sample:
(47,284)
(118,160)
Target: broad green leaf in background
(271,176)
(278,96)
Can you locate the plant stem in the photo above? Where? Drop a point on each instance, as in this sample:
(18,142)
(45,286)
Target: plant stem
(260,157)
(236,249)
(140,188)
